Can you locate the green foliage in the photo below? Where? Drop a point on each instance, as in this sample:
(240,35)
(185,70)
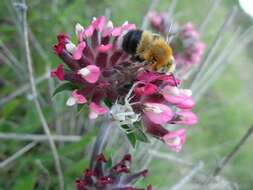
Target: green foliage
(65,86)
(26,182)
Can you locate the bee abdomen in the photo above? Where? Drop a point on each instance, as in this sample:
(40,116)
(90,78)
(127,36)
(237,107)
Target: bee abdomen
(131,40)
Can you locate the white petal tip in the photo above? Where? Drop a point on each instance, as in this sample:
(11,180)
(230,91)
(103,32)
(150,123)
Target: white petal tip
(71,101)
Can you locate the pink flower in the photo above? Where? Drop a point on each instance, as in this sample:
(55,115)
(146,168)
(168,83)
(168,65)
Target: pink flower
(186,118)
(90,73)
(96,110)
(180,97)
(77,54)
(147,89)
(186,104)
(175,139)
(158,113)
(98,23)
(159,21)
(172,94)
(89,31)
(192,48)
(58,72)
(103,72)
(76,98)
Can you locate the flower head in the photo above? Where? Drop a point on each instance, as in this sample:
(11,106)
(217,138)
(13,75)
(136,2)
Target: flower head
(102,72)
(188,46)
(96,64)
(118,176)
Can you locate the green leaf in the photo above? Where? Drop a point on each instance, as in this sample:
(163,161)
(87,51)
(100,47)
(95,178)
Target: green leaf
(109,162)
(26,182)
(10,107)
(140,135)
(108,103)
(80,107)
(65,86)
(132,139)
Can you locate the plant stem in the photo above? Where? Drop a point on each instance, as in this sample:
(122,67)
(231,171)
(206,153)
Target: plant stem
(235,150)
(39,137)
(188,177)
(18,154)
(23,11)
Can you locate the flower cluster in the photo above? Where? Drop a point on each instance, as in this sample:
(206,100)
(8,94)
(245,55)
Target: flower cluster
(96,65)
(160,102)
(188,48)
(101,71)
(159,21)
(105,177)
(187,45)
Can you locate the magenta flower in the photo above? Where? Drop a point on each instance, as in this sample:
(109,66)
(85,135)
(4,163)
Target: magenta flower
(97,65)
(58,72)
(104,177)
(175,139)
(101,72)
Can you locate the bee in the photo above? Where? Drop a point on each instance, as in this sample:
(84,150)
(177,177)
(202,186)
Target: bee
(150,48)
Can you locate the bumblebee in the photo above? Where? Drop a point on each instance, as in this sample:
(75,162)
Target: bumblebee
(150,48)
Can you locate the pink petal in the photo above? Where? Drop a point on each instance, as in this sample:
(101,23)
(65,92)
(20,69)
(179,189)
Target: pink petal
(148,76)
(158,113)
(128,26)
(147,89)
(80,99)
(188,103)
(58,72)
(107,32)
(99,23)
(172,94)
(91,73)
(104,48)
(187,118)
(89,31)
(175,139)
(180,97)
(96,110)
(79,50)
(76,98)
(116,31)
(170,79)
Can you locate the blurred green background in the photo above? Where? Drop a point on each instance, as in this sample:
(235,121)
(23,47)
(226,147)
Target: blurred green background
(225,110)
